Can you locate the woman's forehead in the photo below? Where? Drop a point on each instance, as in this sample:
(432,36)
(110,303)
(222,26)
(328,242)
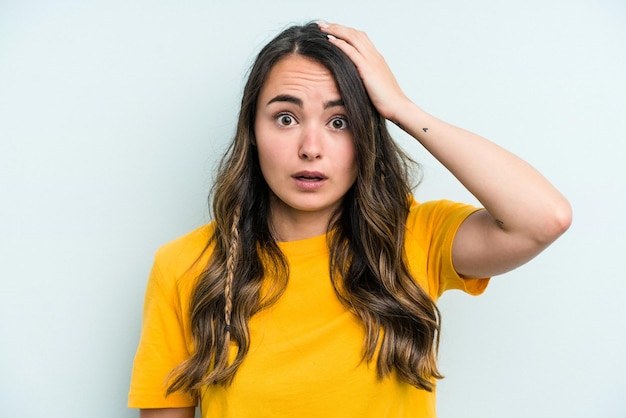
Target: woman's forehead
(297,74)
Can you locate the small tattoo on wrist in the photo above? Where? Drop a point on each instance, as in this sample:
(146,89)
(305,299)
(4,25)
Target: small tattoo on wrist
(425,129)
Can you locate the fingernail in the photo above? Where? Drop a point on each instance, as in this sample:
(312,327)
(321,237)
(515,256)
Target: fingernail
(331,37)
(322,24)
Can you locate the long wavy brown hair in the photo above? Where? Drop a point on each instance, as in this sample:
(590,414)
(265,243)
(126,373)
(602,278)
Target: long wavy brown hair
(366,240)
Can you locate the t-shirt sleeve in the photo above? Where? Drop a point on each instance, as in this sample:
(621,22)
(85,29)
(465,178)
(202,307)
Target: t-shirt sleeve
(431,228)
(162,345)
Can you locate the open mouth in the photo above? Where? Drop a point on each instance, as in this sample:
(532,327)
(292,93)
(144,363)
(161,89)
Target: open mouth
(309,178)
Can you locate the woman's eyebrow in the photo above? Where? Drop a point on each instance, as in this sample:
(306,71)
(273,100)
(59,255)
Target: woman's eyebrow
(286,98)
(298,102)
(333,103)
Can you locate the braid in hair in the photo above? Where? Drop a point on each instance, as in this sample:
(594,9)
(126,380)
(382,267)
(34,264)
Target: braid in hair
(213,345)
(228,286)
(231,261)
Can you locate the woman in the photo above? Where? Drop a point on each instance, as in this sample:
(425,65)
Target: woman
(313,290)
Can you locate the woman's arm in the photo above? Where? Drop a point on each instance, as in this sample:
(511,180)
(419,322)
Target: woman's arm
(524,212)
(168,412)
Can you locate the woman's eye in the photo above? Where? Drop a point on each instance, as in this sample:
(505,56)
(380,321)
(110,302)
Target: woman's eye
(285,119)
(339,123)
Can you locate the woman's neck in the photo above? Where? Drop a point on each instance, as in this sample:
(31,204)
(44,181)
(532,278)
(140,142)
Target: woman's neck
(297,228)
(288,224)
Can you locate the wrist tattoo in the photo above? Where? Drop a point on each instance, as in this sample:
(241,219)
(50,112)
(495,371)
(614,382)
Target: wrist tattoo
(425,129)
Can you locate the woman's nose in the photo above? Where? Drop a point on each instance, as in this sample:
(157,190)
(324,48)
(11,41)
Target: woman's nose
(311,145)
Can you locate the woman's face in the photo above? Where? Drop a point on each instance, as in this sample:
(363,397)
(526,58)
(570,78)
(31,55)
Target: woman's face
(305,146)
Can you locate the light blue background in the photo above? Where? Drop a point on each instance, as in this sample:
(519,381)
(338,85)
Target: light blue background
(112,116)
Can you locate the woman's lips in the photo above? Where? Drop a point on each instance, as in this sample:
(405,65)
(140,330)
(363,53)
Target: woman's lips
(309,180)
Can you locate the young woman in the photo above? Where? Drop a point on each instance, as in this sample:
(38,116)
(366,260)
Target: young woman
(312,293)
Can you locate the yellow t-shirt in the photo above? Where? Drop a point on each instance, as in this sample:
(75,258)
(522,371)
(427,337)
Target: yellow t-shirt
(305,357)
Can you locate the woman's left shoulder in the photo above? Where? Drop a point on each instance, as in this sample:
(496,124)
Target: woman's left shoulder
(437,212)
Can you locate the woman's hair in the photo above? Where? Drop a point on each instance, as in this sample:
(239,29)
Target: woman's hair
(366,240)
